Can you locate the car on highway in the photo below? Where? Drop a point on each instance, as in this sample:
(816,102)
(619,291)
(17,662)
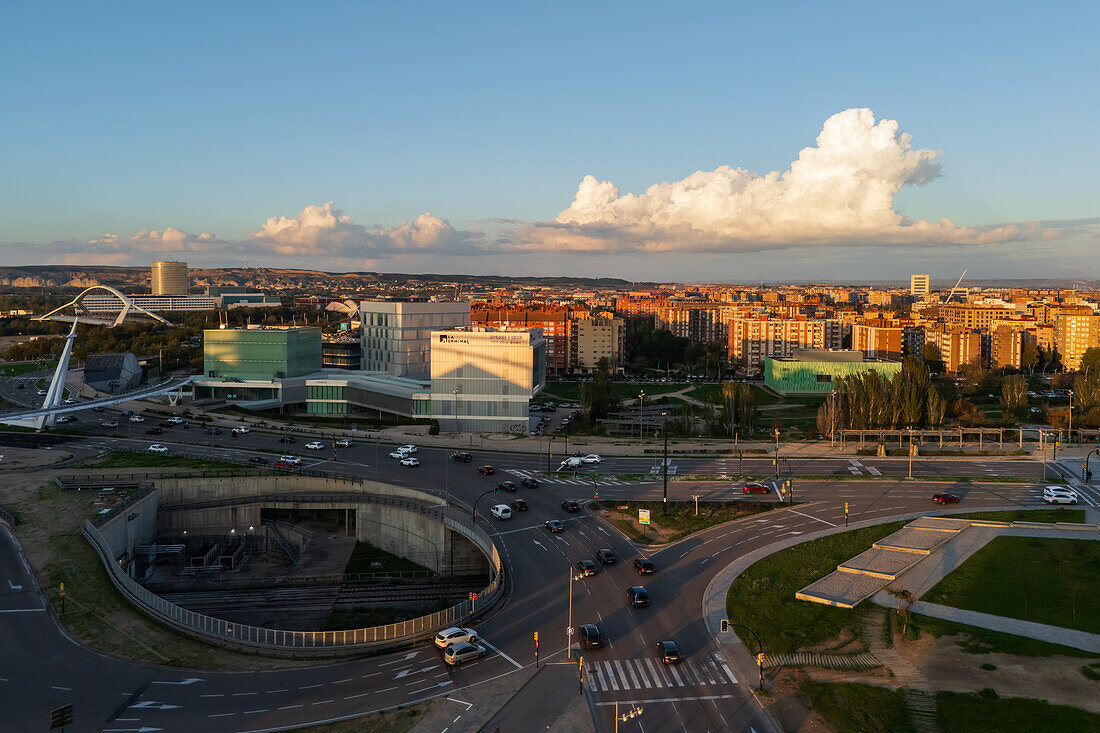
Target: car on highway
(154,431)
(214,430)
(41,393)
(408,448)
(398,454)
(62,419)
(258,459)
(462,457)
(69,401)
(485,470)
(587,567)
(501,511)
(291,460)
(455,635)
(343,443)
(637,596)
(755,487)
(592,458)
(943,497)
(669,652)
(571,505)
(606,556)
(456,654)
(591,637)
(410,462)
(507,486)
(158,448)
(109,424)
(1059,495)
(315,445)
(136,418)
(285,438)
(240,430)
(556,526)
(529,483)
(177,420)
(572,462)
(643,566)
(519,505)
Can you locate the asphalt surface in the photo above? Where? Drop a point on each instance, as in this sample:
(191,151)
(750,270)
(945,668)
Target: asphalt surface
(41,668)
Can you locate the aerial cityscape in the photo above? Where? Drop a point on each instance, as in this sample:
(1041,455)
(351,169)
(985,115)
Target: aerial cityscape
(597,368)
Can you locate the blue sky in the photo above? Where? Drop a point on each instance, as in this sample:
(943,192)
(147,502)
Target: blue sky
(214,117)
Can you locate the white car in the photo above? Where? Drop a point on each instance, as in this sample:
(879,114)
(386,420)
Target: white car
(501,511)
(343,443)
(1059,495)
(177,420)
(408,448)
(295,460)
(240,430)
(157,448)
(69,401)
(399,454)
(137,418)
(315,445)
(455,635)
(410,462)
(592,458)
(571,462)
(109,424)
(462,652)
(41,393)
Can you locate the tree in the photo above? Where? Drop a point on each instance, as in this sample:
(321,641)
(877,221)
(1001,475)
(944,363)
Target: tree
(828,417)
(596,395)
(1030,357)
(1014,395)
(1086,389)
(1090,360)
(932,356)
(937,405)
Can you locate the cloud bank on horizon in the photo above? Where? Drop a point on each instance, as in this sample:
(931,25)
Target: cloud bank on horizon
(839,192)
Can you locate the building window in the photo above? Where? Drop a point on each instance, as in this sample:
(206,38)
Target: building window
(824,378)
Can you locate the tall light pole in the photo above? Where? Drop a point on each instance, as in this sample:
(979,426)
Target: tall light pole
(777,452)
(664,427)
(641,415)
(569,630)
(548,444)
(910,452)
(456,390)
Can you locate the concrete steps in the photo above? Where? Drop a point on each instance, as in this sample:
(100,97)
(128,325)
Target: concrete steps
(826,660)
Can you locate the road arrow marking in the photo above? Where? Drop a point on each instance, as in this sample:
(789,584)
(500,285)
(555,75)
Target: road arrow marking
(405,658)
(13,586)
(407,672)
(150,705)
(142,729)
(540,544)
(188,681)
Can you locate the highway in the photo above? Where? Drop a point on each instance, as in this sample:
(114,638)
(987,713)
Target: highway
(42,668)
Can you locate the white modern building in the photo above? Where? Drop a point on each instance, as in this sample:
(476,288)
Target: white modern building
(110,305)
(397,333)
(482,379)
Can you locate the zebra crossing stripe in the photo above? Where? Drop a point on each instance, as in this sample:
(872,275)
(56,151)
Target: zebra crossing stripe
(633,676)
(641,673)
(611,676)
(658,677)
(672,668)
(595,678)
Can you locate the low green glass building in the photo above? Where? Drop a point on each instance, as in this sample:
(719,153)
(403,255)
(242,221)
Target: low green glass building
(261,353)
(815,371)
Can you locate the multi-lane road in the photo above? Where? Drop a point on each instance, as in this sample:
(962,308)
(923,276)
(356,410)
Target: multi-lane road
(42,669)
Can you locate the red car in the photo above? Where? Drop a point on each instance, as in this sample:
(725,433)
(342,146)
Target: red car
(945,498)
(485,470)
(755,487)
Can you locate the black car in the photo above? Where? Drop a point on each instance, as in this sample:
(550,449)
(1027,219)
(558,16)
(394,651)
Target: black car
(165,424)
(643,566)
(258,459)
(591,636)
(571,505)
(508,486)
(286,439)
(529,483)
(462,457)
(519,505)
(637,596)
(605,556)
(555,526)
(587,567)
(669,652)
(153,431)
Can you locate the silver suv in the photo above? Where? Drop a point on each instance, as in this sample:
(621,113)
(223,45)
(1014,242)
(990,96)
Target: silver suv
(461,652)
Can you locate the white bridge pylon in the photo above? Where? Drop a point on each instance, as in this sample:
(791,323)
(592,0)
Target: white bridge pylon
(56,391)
(129,308)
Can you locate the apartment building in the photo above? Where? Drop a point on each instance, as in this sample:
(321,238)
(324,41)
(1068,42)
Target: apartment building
(555,321)
(1006,346)
(877,339)
(969,315)
(957,345)
(751,340)
(600,336)
(1074,335)
(699,322)
(919,286)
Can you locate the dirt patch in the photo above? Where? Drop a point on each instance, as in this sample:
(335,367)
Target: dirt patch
(791,709)
(24,458)
(656,535)
(846,642)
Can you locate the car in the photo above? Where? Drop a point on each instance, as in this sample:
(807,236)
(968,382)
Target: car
(669,652)
(461,652)
(136,418)
(410,462)
(529,483)
(69,401)
(62,419)
(643,566)
(41,393)
(218,431)
(154,431)
(343,443)
(258,459)
(292,460)
(587,567)
(637,596)
(1060,498)
(240,430)
(127,413)
(485,470)
(573,462)
(408,448)
(157,448)
(592,458)
(177,420)
(1058,490)
(554,525)
(755,487)
(571,505)
(109,424)
(462,457)
(398,454)
(945,498)
(606,556)
(507,486)
(315,445)
(165,424)
(455,635)
(519,505)
(501,511)
(284,439)
(591,638)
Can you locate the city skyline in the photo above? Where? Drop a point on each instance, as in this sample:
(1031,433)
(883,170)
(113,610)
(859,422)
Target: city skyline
(241,156)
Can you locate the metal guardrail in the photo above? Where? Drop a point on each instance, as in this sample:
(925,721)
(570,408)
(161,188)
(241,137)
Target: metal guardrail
(226,633)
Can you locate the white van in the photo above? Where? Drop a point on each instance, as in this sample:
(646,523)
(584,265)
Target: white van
(501,511)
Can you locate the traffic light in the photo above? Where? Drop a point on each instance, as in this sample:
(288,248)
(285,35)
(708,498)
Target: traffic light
(536,638)
(725,625)
(473,596)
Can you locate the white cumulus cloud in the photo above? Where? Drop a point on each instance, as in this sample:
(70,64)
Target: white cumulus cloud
(839,192)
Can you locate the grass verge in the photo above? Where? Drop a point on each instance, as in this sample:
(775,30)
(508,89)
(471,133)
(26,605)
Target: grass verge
(1074,516)
(763,595)
(1040,579)
(681,519)
(976,640)
(856,708)
(365,553)
(571,391)
(975,712)
(128,459)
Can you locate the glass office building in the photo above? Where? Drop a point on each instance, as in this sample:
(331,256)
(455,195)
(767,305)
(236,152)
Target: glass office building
(397,333)
(483,378)
(261,352)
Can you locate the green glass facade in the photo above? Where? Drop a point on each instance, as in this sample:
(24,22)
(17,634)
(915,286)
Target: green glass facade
(787,376)
(261,353)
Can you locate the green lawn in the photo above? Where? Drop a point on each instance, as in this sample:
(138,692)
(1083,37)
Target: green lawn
(1049,581)
(681,519)
(14,370)
(976,640)
(984,713)
(856,708)
(763,595)
(365,553)
(1075,516)
(127,459)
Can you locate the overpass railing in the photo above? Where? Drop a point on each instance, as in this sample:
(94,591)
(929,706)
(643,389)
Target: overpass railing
(256,638)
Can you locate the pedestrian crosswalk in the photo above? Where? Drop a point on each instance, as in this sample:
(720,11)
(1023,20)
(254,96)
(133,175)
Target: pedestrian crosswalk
(648,673)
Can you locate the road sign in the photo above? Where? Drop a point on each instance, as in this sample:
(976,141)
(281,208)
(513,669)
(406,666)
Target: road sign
(643,516)
(569,631)
(60,717)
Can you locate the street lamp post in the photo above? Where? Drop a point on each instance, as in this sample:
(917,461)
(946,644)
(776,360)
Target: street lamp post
(910,452)
(641,416)
(664,425)
(456,390)
(569,630)
(777,452)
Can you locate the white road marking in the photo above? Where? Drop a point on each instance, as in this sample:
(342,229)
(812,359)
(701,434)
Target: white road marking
(289,707)
(498,651)
(322,702)
(810,516)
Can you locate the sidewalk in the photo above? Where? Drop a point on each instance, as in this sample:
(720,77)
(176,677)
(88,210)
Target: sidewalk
(551,696)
